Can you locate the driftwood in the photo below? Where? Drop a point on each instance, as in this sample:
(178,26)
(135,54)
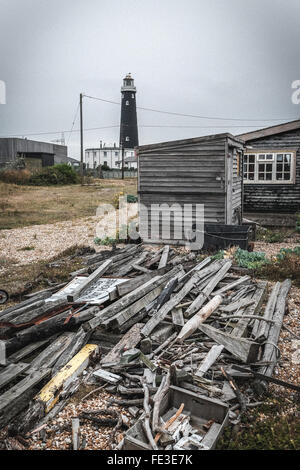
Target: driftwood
(146,420)
(193,324)
(158,397)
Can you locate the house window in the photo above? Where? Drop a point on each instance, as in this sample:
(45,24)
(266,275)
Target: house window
(132,95)
(116,154)
(272,167)
(127,103)
(105,154)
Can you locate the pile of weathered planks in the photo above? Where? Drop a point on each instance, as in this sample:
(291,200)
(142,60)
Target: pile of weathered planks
(155,326)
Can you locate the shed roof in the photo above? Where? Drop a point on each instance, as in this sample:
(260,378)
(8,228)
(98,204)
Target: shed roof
(268,131)
(195,140)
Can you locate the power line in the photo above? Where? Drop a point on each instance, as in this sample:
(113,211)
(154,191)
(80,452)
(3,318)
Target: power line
(190,115)
(118,125)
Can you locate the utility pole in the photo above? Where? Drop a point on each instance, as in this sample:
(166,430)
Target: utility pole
(123,155)
(81,138)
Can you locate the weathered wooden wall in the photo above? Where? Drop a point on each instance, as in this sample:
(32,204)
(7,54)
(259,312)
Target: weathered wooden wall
(275,197)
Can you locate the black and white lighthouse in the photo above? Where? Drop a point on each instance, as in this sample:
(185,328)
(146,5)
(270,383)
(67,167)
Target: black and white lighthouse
(128,128)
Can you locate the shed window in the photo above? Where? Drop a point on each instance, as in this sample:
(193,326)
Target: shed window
(272,167)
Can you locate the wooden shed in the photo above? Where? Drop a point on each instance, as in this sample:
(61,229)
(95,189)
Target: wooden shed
(203,170)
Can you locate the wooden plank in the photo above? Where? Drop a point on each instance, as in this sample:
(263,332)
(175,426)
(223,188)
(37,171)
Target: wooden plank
(122,317)
(19,392)
(29,349)
(235,306)
(164,257)
(124,270)
(232,285)
(75,433)
(270,352)
(107,376)
(37,332)
(12,371)
(240,328)
(129,340)
(166,308)
(261,328)
(209,360)
(50,355)
(90,280)
(50,393)
(243,349)
(177,317)
(130,298)
(202,297)
(77,342)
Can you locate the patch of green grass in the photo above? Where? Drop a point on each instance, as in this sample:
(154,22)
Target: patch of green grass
(23,206)
(272,426)
(272,236)
(244,258)
(286,267)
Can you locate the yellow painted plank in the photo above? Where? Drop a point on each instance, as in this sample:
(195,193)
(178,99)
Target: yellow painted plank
(51,391)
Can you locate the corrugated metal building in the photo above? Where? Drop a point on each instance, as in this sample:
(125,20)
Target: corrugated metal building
(205,170)
(36,154)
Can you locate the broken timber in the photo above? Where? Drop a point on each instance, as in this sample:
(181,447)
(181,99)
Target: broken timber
(243,349)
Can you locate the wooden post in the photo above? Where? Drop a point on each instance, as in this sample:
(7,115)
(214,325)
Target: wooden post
(81,138)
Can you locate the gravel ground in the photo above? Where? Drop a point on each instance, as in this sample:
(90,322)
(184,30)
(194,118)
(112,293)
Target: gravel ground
(58,433)
(41,242)
(271,249)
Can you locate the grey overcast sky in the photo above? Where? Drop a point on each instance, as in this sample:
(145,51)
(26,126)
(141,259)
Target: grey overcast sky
(226,58)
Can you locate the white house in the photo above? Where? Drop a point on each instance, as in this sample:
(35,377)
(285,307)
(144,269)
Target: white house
(110,155)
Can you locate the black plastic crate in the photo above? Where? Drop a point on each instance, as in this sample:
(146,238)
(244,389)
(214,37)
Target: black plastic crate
(220,237)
